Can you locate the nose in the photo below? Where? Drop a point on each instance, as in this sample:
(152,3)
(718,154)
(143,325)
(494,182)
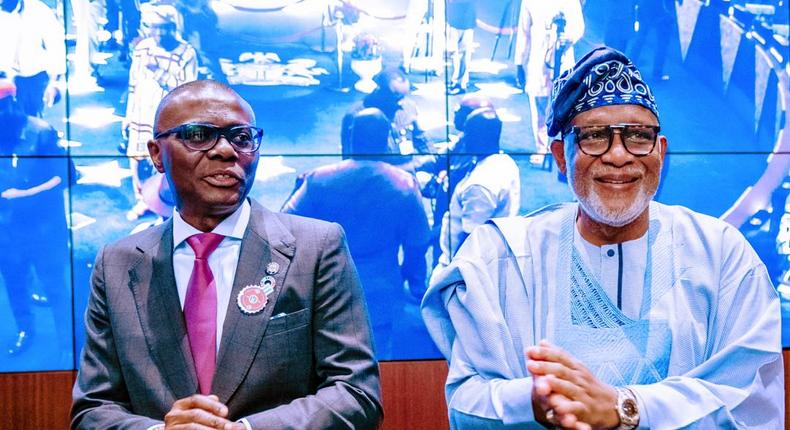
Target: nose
(617,155)
(222,149)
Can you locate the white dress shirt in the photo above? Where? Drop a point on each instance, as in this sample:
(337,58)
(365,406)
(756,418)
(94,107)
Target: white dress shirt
(222,261)
(617,267)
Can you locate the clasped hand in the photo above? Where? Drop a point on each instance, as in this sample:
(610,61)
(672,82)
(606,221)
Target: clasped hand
(200,412)
(566,394)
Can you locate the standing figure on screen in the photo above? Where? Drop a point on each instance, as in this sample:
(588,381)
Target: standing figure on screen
(160,62)
(616,311)
(226,316)
(482,182)
(32,53)
(34,236)
(657,18)
(406,135)
(380,207)
(438,187)
(200,30)
(423,41)
(547,31)
(461,23)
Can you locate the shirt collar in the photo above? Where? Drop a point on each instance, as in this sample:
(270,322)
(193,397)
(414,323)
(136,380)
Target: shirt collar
(233,226)
(640,242)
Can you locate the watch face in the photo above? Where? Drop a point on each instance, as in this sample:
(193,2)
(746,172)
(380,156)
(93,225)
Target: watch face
(629,407)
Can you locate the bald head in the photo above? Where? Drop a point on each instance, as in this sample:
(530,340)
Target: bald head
(210,184)
(186,94)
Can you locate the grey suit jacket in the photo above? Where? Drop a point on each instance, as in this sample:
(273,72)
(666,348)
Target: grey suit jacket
(304,362)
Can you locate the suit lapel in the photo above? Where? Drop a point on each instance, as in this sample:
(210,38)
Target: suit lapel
(153,285)
(266,240)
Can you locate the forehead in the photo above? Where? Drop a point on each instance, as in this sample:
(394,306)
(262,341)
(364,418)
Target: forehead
(615,114)
(215,106)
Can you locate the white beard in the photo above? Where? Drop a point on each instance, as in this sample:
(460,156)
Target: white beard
(596,208)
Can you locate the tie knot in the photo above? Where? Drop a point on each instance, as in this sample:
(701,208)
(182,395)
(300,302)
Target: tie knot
(204,244)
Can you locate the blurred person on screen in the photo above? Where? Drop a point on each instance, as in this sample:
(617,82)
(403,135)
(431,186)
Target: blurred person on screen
(438,188)
(32,53)
(34,236)
(200,30)
(227,315)
(657,18)
(380,208)
(482,183)
(461,24)
(547,31)
(614,311)
(390,97)
(160,62)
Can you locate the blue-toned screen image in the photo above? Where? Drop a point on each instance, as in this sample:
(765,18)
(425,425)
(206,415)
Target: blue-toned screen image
(407,122)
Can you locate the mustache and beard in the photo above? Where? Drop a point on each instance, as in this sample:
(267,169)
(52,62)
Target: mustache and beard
(613,210)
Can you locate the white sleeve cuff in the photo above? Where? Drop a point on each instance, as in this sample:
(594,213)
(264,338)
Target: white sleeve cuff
(156,427)
(246,423)
(644,421)
(514,397)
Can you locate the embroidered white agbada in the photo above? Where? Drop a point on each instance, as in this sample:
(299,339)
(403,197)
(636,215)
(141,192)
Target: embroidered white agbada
(696,334)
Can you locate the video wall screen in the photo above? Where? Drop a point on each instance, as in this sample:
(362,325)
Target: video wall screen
(77,111)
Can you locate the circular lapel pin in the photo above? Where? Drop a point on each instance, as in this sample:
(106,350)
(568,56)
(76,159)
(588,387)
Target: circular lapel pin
(252,299)
(272,268)
(268,283)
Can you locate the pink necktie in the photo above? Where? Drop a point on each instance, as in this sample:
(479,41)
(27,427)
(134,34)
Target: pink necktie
(200,309)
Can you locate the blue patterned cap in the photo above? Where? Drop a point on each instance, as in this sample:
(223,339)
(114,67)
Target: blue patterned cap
(603,77)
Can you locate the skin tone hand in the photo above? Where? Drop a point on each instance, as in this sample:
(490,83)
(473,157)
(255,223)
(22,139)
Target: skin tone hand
(200,412)
(51,94)
(563,384)
(543,400)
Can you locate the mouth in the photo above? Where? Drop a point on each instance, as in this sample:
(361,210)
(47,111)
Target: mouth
(617,181)
(223,179)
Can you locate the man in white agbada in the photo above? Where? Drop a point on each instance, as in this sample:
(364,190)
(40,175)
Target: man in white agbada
(614,312)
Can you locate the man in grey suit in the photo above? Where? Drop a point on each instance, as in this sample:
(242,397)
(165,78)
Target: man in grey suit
(228,316)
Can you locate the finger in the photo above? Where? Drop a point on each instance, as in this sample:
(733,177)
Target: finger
(561,386)
(235,426)
(545,351)
(563,405)
(196,416)
(567,421)
(580,425)
(541,386)
(207,403)
(550,368)
(188,426)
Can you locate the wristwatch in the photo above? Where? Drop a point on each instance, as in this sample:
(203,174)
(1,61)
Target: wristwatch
(627,409)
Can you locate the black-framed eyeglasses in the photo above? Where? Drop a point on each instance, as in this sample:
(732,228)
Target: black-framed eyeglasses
(596,140)
(202,137)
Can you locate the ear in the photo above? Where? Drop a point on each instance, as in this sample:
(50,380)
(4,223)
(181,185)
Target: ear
(156,152)
(558,151)
(662,148)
